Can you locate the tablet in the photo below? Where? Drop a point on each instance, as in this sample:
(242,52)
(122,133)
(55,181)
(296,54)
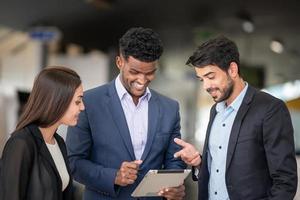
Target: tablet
(155,180)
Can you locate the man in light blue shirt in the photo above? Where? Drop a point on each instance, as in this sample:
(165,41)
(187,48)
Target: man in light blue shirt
(249,148)
(218,145)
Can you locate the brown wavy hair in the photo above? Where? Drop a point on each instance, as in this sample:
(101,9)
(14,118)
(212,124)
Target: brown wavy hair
(52,92)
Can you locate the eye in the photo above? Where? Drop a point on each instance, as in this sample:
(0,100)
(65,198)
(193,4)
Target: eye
(200,79)
(133,72)
(150,74)
(77,102)
(211,77)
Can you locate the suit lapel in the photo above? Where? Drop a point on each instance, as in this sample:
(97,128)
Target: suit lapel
(44,152)
(153,116)
(235,130)
(118,115)
(212,116)
(213,113)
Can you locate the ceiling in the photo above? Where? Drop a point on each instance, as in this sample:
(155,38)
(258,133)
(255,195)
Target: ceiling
(87,22)
(97,24)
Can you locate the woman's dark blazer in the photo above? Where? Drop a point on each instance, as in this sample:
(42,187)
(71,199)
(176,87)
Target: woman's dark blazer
(28,171)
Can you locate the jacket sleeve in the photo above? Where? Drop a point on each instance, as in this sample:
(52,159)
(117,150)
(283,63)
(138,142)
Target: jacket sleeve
(280,151)
(16,166)
(79,145)
(170,162)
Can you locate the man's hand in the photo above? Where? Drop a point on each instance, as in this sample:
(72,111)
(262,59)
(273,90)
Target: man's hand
(188,153)
(127,173)
(173,193)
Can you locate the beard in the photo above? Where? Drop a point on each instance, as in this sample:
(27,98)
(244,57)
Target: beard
(225,93)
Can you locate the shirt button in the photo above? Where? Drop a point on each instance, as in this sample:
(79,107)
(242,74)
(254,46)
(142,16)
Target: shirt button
(223,125)
(217,170)
(220,147)
(216,193)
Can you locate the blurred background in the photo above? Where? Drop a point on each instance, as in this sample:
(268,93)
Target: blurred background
(83,34)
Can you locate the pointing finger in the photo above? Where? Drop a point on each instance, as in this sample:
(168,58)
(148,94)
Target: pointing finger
(180,142)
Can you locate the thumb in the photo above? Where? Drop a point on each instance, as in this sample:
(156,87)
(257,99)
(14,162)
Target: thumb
(178,154)
(138,162)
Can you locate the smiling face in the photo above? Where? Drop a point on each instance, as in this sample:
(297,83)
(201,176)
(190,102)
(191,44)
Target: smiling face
(70,117)
(135,75)
(216,82)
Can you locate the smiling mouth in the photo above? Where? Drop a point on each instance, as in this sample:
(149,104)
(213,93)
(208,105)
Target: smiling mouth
(212,91)
(138,86)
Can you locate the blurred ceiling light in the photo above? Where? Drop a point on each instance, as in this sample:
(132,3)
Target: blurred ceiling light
(248,26)
(247,21)
(276,46)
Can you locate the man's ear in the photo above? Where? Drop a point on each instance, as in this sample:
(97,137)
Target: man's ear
(233,70)
(119,62)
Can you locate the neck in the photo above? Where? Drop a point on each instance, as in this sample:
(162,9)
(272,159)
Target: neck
(135,100)
(239,85)
(48,133)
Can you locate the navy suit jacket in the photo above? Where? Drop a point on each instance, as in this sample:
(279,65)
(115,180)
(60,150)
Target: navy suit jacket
(260,161)
(101,141)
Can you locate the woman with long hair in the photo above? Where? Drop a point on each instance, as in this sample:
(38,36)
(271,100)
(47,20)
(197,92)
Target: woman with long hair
(34,160)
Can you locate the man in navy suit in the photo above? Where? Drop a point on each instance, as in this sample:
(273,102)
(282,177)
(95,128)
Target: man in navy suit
(249,147)
(126,128)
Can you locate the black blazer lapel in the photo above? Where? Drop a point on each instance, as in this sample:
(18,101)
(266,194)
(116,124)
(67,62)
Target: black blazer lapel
(235,130)
(203,176)
(44,152)
(153,117)
(212,116)
(118,115)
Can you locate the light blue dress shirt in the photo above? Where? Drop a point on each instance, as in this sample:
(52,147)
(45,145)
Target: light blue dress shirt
(218,144)
(136,117)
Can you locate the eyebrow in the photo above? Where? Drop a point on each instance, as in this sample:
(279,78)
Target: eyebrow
(207,74)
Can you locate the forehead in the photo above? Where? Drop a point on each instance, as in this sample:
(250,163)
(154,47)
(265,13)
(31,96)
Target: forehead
(138,65)
(208,69)
(79,90)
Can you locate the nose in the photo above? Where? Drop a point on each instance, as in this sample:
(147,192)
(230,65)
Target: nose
(206,85)
(142,79)
(82,107)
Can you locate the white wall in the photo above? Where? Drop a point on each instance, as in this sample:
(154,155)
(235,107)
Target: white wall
(92,68)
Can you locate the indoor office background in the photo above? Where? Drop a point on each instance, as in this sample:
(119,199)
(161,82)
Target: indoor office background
(83,34)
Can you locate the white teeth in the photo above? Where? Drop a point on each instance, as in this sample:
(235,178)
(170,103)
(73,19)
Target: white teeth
(138,86)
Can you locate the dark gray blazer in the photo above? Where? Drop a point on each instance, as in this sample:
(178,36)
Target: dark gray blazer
(260,161)
(28,171)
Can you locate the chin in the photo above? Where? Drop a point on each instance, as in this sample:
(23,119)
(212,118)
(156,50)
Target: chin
(139,93)
(217,100)
(72,123)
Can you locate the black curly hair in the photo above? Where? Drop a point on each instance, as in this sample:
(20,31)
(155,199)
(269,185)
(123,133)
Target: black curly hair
(142,44)
(219,51)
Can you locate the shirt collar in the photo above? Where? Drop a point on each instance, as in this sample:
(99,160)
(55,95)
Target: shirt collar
(235,105)
(122,92)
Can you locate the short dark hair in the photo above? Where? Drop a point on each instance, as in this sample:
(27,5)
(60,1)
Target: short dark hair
(219,51)
(142,44)
(51,95)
